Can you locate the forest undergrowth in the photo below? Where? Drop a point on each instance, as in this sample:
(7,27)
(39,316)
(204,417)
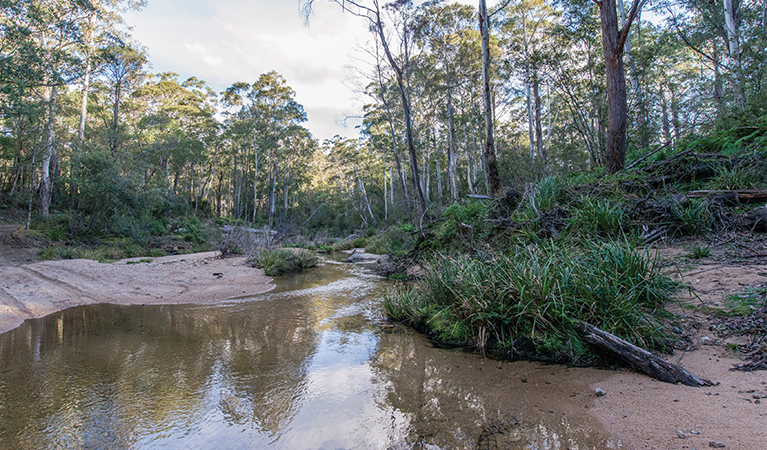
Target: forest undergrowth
(515,276)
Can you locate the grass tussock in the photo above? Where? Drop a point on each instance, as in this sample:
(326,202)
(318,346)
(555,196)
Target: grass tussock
(527,302)
(281,261)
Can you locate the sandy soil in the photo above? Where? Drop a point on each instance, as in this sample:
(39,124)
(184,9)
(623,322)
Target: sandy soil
(646,414)
(35,289)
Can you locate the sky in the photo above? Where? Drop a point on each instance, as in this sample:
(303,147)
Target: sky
(227,41)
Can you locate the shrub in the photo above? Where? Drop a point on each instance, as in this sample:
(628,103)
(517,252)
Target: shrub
(530,301)
(691,218)
(393,241)
(280,261)
(598,216)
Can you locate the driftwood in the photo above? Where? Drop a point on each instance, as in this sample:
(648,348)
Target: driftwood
(643,360)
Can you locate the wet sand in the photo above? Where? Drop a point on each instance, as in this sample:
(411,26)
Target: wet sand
(36,290)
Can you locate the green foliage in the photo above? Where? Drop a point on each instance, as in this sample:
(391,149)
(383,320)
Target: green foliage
(700,251)
(394,241)
(140,261)
(550,192)
(599,217)
(736,177)
(529,301)
(691,218)
(281,261)
(462,217)
(746,302)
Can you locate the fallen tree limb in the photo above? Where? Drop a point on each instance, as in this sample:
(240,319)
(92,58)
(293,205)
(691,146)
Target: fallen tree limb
(641,359)
(732,196)
(648,155)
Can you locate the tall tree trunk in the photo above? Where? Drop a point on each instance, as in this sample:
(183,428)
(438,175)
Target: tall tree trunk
(439,169)
(83,112)
(529,107)
(400,76)
(470,161)
(274,187)
(665,125)
(49,154)
(537,118)
(386,202)
(393,131)
(451,164)
(636,86)
(494,183)
(255,179)
(613,44)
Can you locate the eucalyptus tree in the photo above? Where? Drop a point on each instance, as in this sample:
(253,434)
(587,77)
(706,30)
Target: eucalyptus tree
(123,71)
(97,24)
(732,38)
(527,30)
(352,167)
(177,133)
(491,168)
(400,18)
(580,77)
(443,30)
(53,24)
(614,44)
(270,115)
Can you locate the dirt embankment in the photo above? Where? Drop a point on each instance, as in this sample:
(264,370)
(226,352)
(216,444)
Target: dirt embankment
(31,289)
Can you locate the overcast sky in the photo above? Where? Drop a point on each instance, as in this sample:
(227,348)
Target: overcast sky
(225,41)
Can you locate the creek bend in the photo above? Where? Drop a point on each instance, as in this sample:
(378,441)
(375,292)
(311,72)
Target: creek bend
(305,366)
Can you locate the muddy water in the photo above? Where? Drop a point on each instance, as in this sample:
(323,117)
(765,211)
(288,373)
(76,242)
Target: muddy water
(307,366)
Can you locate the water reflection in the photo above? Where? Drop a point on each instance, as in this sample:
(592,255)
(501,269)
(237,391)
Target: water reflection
(303,367)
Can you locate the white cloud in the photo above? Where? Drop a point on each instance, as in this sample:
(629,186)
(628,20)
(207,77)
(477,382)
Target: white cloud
(227,41)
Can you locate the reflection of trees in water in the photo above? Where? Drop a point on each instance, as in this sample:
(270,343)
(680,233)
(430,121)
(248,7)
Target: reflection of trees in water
(104,376)
(458,400)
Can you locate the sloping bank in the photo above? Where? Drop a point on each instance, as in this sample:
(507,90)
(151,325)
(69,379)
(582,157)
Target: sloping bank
(36,290)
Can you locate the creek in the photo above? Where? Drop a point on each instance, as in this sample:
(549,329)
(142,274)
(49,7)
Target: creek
(309,365)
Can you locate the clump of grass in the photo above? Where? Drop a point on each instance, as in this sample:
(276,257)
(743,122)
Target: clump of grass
(140,261)
(462,219)
(745,303)
(736,177)
(598,216)
(280,261)
(700,252)
(395,240)
(344,244)
(691,218)
(530,301)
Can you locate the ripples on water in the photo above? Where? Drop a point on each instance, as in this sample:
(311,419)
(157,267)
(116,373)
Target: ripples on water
(306,366)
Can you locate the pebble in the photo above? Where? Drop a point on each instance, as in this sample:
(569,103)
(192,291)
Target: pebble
(681,434)
(695,432)
(705,340)
(600,392)
(716,444)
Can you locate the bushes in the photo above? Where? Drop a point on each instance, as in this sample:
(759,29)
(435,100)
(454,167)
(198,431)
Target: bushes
(280,261)
(396,240)
(528,301)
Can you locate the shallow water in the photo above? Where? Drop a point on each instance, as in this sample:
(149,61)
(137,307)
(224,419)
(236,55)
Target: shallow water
(309,365)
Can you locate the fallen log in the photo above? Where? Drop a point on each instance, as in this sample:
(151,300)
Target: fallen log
(640,358)
(732,196)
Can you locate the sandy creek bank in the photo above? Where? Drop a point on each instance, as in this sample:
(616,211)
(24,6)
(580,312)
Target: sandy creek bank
(38,289)
(640,413)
